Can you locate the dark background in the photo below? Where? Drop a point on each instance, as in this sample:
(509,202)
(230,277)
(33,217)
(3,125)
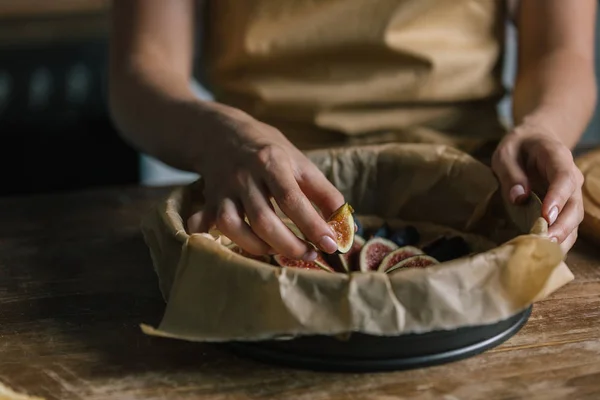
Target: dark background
(55,130)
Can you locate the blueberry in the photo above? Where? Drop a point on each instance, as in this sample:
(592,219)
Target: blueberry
(408,236)
(445,249)
(360,231)
(383,231)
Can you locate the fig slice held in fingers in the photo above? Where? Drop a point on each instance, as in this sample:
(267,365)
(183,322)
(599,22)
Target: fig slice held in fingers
(398,255)
(420,261)
(319,264)
(342,225)
(373,253)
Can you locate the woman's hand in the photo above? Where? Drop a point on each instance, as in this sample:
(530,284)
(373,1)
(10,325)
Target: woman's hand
(245,164)
(529,158)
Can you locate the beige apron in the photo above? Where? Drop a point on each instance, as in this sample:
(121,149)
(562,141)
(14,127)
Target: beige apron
(347,72)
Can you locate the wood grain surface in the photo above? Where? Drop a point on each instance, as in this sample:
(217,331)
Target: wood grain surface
(76,280)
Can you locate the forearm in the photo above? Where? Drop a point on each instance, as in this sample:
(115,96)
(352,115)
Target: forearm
(157,113)
(558,94)
(556,86)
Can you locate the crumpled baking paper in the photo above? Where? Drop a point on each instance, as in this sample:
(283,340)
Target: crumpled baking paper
(214,294)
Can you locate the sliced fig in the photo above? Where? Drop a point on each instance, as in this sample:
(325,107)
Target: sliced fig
(342,224)
(407,236)
(420,261)
(319,264)
(398,255)
(446,249)
(237,249)
(349,260)
(373,252)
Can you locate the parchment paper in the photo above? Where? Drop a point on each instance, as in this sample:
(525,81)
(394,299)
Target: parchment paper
(214,294)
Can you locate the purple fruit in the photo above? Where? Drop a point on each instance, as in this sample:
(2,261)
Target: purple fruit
(421,261)
(319,264)
(373,252)
(398,255)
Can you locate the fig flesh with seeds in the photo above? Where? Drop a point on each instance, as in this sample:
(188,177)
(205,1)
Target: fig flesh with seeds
(420,261)
(397,256)
(342,225)
(373,253)
(319,264)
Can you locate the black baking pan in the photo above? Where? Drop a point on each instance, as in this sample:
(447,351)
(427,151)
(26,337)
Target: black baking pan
(369,353)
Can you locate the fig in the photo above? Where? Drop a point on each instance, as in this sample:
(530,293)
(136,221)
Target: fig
(349,261)
(237,249)
(342,224)
(420,261)
(398,255)
(407,236)
(319,264)
(445,249)
(373,252)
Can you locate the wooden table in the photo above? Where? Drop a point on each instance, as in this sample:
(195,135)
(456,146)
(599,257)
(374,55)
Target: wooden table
(76,280)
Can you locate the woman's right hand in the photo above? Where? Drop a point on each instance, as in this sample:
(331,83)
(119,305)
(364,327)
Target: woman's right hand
(242,161)
(245,163)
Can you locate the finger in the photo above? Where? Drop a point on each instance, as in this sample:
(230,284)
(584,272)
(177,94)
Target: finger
(564,182)
(568,243)
(513,180)
(319,190)
(201,221)
(230,222)
(568,220)
(293,202)
(270,228)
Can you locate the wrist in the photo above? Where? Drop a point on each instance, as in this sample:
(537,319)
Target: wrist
(219,124)
(549,123)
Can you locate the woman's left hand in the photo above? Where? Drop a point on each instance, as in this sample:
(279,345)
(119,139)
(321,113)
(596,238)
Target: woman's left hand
(530,156)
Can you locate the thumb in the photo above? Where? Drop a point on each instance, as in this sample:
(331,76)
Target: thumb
(320,191)
(513,180)
(201,221)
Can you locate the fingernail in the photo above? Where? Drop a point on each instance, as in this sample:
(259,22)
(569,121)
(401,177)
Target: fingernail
(554,239)
(310,255)
(516,192)
(553,214)
(327,244)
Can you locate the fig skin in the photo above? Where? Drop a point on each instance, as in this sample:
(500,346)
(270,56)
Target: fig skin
(341,222)
(420,261)
(350,260)
(371,258)
(397,256)
(319,264)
